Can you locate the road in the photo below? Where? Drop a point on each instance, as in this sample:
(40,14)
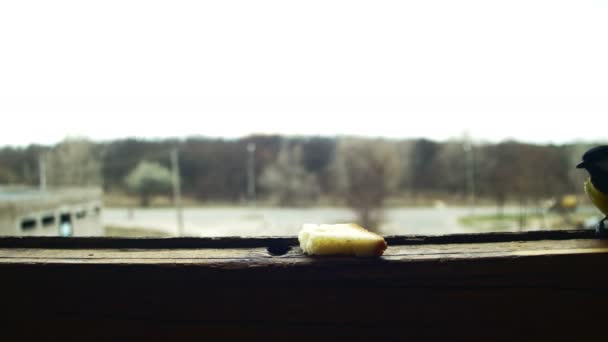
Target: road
(243,221)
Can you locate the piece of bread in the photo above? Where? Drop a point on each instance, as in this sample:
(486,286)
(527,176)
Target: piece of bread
(340,239)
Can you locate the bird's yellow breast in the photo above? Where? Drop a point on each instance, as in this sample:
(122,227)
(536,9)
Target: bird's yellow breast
(599,199)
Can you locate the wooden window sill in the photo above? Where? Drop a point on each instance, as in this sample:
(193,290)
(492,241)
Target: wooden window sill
(425,287)
(265,257)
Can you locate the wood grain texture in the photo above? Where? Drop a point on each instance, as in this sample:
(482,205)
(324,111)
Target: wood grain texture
(518,290)
(294,256)
(251,242)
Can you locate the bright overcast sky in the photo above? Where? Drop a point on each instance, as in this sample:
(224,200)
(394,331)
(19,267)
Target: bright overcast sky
(530,70)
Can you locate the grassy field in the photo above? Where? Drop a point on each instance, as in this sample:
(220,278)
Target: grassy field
(513,221)
(120,200)
(426,216)
(259,221)
(117,231)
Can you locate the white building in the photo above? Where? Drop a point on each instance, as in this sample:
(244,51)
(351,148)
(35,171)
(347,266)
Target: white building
(61,212)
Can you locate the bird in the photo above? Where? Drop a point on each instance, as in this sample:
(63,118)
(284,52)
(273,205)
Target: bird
(595,161)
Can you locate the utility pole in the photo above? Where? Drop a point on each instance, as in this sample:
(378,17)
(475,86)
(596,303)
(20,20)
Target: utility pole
(177,193)
(469,171)
(41,173)
(251,173)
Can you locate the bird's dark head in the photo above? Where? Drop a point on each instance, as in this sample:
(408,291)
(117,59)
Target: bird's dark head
(595,161)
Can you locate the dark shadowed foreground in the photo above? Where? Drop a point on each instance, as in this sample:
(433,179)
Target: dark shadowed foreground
(540,286)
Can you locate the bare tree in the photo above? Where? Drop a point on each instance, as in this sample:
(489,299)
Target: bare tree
(74,162)
(502,173)
(7,176)
(365,173)
(450,160)
(424,174)
(287,180)
(405,150)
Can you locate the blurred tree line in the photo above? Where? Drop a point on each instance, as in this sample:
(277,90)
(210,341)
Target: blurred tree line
(295,171)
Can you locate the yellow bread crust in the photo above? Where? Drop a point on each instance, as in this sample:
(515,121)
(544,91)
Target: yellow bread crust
(358,227)
(380,247)
(375,246)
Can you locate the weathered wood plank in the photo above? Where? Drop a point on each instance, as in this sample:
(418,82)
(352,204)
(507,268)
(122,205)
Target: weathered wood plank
(252,242)
(524,290)
(295,256)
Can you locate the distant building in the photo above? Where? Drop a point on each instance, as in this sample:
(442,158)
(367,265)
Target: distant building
(61,212)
